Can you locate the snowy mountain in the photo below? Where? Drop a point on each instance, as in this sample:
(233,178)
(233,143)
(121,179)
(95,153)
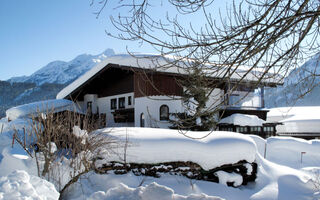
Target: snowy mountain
(46,82)
(300,88)
(61,72)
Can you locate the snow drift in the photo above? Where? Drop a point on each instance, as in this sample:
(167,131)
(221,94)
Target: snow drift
(147,145)
(20,185)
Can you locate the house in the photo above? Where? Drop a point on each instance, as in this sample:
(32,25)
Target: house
(301,121)
(129,91)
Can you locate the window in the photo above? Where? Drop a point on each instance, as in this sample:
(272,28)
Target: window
(89,107)
(255,129)
(164,112)
(242,129)
(122,102)
(113,104)
(142,120)
(226,129)
(129,100)
(234,100)
(268,129)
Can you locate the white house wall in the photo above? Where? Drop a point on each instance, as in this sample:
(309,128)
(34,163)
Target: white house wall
(245,99)
(150,107)
(104,106)
(91,98)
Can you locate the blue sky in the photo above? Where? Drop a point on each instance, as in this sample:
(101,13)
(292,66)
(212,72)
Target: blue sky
(36,32)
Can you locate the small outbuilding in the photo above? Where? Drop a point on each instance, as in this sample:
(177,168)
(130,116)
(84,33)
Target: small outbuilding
(247,124)
(302,122)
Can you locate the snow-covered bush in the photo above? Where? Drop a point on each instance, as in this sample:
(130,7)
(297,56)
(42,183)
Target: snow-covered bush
(62,145)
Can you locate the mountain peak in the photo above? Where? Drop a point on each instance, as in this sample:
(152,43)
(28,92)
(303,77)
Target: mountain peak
(108,52)
(62,72)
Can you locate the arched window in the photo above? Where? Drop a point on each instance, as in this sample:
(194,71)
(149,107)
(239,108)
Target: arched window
(164,112)
(142,120)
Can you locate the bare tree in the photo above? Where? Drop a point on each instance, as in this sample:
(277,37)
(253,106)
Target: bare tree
(262,39)
(65,146)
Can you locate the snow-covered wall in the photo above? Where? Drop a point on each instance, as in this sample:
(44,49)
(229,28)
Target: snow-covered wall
(153,145)
(150,107)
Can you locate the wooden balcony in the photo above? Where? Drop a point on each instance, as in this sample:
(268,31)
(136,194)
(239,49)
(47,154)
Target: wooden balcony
(123,115)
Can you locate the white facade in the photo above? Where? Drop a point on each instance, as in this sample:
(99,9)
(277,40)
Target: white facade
(246,99)
(103,106)
(150,108)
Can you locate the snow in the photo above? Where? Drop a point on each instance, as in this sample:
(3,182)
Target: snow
(242,120)
(149,61)
(280,114)
(149,192)
(281,175)
(52,147)
(173,145)
(288,151)
(296,119)
(33,109)
(20,185)
(63,72)
(225,177)
(81,134)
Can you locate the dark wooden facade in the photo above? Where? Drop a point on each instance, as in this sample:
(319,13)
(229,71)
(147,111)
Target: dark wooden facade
(110,81)
(115,79)
(153,84)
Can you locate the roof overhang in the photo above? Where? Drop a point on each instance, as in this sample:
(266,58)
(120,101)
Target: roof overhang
(147,64)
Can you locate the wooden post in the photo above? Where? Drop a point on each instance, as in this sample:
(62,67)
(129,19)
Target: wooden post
(303,152)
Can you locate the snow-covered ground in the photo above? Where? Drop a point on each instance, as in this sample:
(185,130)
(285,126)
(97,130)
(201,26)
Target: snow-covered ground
(282,174)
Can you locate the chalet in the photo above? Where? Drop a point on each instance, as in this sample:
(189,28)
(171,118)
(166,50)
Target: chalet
(119,90)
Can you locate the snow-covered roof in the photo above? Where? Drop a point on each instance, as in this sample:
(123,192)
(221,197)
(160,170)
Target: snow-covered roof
(242,120)
(148,61)
(303,119)
(53,105)
(300,113)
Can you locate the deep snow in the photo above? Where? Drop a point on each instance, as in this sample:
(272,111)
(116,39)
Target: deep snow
(280,175)
(209,150)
